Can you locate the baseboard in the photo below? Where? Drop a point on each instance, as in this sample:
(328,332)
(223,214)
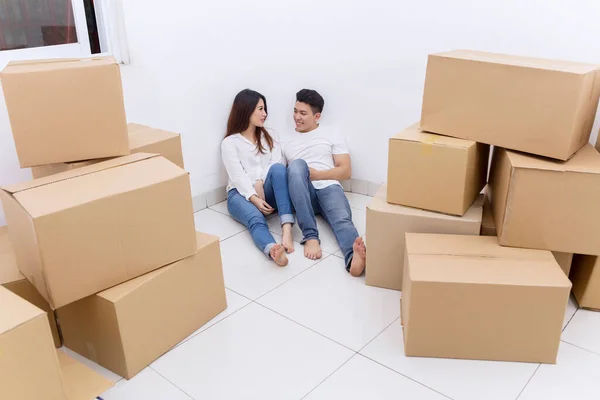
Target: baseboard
(219,194)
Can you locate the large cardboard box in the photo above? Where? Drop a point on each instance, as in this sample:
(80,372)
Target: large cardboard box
(142,139)
(468,297)
(434,172)
(65,110)
(488,228)
(30,367)
(386,226)
(585,276)
(538,106)
(13,280)
(79,232)
(127,327)
(544,204)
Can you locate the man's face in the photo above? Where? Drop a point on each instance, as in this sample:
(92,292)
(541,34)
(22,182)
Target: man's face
(304,117)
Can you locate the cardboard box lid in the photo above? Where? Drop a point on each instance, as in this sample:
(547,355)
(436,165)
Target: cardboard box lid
(480,260)
(14,311)
(586,160)
(81,382)
(141,135)
(518,61)
(116,293)
(379,204)
(18,67)
(414,134)
(9,272)
(61,191)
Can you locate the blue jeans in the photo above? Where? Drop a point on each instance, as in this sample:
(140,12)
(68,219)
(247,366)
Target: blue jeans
(278,197)
(330,202)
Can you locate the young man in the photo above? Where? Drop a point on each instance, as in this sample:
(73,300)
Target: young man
(318,159)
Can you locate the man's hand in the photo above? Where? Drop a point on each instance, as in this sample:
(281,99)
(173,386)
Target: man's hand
(259,186)
(314,175)
(262,205)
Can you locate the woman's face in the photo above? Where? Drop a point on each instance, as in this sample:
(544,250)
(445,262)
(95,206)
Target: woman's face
(259,115)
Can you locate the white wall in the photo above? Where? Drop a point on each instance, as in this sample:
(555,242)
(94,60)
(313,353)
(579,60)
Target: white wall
(189,59)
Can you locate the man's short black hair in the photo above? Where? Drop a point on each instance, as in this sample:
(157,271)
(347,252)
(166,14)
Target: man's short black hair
(312,98)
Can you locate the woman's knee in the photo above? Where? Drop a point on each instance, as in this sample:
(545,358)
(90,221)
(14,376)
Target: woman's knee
(279,170)
(257,221)
(298,168)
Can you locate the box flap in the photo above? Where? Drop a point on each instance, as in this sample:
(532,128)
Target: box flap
(586,160)
(116,293)
(480,259)
(379,204)
(15,311)
(518,61)
(414,134)
(90,169)
(55,63)
(9,272)
(80,381)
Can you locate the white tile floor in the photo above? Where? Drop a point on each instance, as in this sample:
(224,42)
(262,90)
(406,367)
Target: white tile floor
(310,331)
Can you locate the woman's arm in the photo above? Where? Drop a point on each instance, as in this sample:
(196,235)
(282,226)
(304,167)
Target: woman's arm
(237,175)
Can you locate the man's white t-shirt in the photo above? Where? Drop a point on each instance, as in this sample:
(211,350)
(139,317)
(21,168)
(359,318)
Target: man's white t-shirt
(317,148)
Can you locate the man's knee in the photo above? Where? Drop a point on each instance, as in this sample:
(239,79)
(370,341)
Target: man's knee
(297,168)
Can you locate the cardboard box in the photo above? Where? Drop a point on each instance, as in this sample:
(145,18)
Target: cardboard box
(127,327)
(585,276)
(434,172)
(538,106)
(79,232)
(553,204)
(65,110)
(386,226)
(13,280)
(488,228)
(468,297)
(142,139)
(30,367)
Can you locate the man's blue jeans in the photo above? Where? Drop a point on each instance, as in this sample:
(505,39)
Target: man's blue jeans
(330,202)
(278,197)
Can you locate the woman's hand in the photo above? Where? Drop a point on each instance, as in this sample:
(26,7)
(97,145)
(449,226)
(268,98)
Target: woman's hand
(262,205)
(259,186)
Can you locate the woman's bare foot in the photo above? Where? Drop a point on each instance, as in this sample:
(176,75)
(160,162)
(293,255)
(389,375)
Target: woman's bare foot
(359,259)
(287,240)
(278,255)
(312,249)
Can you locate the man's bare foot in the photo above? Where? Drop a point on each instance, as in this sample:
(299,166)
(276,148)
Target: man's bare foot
(312,249)
(278,255)
(287,240)
(359,259)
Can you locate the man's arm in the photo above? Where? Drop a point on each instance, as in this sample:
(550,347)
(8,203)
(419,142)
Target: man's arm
(341,172)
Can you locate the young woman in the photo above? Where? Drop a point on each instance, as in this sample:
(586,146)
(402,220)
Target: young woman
(257,178)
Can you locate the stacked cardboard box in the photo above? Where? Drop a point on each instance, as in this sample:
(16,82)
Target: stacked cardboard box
(104,239)
(474,289)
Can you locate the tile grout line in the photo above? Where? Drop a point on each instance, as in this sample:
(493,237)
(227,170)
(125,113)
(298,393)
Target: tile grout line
(406,376)
(328,376)
(528,381)
(580,348)
(178,388)
(305,327)
(572,316)
(376,336)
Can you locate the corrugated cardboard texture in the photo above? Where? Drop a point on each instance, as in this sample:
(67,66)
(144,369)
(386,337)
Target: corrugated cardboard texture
(13,280)
(434,172)
(65,110)
(543,204)
(30,367)
(142,139)
(543,107)
(119,219)
(473,290)
(585,276)
(488,228)
(127,327)
(386,226)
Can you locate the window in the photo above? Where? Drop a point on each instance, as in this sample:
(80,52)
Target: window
(31,29)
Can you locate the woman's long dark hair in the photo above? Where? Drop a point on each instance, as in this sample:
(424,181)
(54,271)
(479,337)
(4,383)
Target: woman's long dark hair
(244,105)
